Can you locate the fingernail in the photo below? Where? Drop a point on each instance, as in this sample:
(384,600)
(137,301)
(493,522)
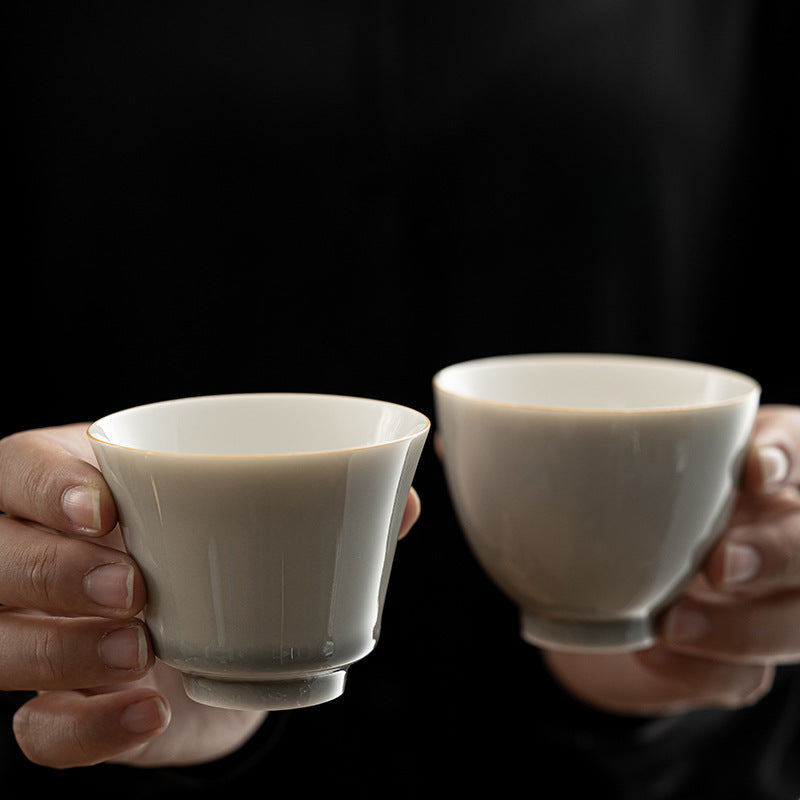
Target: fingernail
(124,648)
(741,564)
(686,624)
(110,585)
(774,464)
(144,716)
(82,505)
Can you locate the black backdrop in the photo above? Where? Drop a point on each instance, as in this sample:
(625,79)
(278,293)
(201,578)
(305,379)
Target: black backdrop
(344,197)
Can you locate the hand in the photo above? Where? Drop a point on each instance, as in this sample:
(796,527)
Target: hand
(718,644)
(69,629)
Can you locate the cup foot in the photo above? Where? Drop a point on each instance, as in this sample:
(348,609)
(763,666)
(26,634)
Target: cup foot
(273,695)
(623,635)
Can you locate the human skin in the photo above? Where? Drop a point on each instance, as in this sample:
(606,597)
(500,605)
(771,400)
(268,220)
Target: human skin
(70,627)
(718,645)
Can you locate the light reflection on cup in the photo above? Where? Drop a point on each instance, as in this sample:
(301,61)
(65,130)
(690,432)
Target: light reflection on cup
(265,527)
(590,487)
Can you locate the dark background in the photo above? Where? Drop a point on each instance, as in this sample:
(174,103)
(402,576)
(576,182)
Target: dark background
(344,197)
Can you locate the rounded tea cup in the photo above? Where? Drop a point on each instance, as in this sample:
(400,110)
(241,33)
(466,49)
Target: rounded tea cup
(590,486)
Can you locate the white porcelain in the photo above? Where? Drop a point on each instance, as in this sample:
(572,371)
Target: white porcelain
(590,487)
(265,526)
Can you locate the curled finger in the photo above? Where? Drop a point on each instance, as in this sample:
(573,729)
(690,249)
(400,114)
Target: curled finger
(754,631)
(657,681)
(45,477)
(687,682)
(40,652)
(773,461)
(411,513)
(761,556)
(45,571)
(69,728)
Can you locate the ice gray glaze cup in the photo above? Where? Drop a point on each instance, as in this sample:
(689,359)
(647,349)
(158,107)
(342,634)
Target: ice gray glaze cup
(590,487)
(265,527)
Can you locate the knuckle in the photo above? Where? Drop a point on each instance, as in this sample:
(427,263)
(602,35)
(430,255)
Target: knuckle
(7,447)
(37,470)
(40,489)
(34,473)
(22,478)
(49,656)
(40,569)
(783,540)
(73,733)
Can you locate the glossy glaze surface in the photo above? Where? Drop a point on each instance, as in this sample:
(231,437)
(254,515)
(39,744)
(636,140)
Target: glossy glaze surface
(590,487)
(265,526)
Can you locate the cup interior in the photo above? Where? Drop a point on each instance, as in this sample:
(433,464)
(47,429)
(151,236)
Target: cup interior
(259,424)
(594,382)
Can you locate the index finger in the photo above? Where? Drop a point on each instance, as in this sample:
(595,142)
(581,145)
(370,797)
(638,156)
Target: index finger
(773,460)
(45,477)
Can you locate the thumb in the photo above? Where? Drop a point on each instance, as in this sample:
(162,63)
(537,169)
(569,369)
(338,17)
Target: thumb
(773,461)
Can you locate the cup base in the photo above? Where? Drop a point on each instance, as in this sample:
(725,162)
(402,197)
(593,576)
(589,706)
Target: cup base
(623,635)
(273,695)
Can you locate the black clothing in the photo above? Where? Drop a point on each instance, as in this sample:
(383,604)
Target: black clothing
(344,197)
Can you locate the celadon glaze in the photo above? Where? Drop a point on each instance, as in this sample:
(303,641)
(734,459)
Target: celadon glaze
(594,512)
(266,572)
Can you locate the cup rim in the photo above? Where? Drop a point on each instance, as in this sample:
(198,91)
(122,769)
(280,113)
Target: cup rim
(92,430)
(753,388)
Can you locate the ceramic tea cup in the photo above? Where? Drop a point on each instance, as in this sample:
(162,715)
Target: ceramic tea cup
(590,487)
(265,527)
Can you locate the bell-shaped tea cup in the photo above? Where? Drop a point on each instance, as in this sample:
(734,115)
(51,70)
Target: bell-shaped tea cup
(265,527)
